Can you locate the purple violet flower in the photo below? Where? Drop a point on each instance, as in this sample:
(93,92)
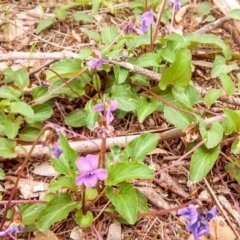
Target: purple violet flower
(130,28)
(97,63)
(14,227)
(56,150)
(176,4)
(90,173)
(108,107)
(197,226)
(147,19)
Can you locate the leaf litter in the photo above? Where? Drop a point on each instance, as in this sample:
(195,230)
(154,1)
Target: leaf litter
(57,39)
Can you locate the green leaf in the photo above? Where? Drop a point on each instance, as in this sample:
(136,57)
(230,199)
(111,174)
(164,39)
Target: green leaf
(140,146)
(204,8)
(109,35)
(29,134)
(188,97)
(91,116)
(41,112)
(56,210)
(2,122)
(127,101)
(127,171)
(213,136)
(45,23)
(167,54)
(235,14)
(21,78)
(38,92)
(146,106)
(120,74)
(227,84)
(141,202)
(66,68)
(124,200)
(92,34)
(179,73)
(12,125)
(63,182)
(96,82)
(179,119)
(66,162)
(149,60)
(9,93)
(81,16)
(206,39)
(235,148)
(22,108)
(211,96)
(61,13)
(91,194)
(7,147)
(84,220)
(231,123)
(2,174)
(75,118)
(210,18)
(202,162)
(220,66)
(138,41)
(84,53)
(30,212)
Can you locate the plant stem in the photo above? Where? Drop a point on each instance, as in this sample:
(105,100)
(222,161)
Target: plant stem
(160,13)
(21,172)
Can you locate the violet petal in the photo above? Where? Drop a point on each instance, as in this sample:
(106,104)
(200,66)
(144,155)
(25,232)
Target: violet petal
(90,180)
(101,174)
(113,105)
(211,213)
(87,164)
(98,107)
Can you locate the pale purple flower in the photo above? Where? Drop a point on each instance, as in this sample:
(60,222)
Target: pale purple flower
(197,226)
(90,173)
(147,19)
(107,107)
(56,150)
(176,4)
(130,28)
(97,63)
(14,227)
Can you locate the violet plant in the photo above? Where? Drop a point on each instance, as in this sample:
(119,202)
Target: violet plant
(86,179)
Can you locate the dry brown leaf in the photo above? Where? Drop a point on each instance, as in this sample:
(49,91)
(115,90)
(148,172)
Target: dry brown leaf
(76,233)
(179,15)
(48,235)
(114,232)
(45,169)
(28,188)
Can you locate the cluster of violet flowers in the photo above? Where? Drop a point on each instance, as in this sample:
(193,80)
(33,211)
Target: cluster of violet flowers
(197,225)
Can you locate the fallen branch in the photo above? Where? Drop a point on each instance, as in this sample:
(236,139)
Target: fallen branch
(209,27)
(122,141)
